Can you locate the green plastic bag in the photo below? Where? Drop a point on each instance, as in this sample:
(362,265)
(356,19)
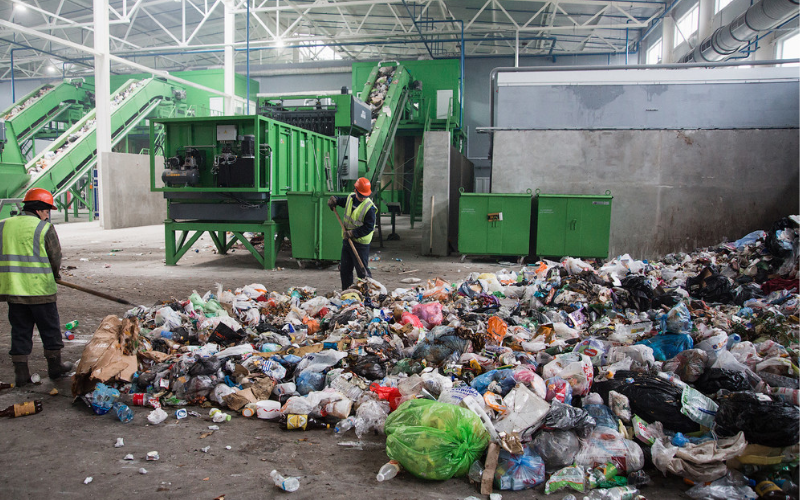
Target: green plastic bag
(434,440)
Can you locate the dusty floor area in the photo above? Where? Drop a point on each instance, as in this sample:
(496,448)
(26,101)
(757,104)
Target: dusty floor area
(49,455)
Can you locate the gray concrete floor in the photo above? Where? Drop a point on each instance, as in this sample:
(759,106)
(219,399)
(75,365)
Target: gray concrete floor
(50,454)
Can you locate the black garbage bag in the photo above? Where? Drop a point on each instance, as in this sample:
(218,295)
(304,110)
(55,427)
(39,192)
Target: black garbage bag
(225,335)
(764,421)
(746,292)
(641,295)
(718,378)
(774,243)
(652,398)
(370,366)
(441,344)
(205,366)
(710,286)
(565,417)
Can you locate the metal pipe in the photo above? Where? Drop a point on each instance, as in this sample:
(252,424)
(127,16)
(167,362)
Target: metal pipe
(763,16)
(248,58)
(422,37)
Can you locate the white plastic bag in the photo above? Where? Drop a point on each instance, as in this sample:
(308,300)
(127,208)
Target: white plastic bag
(575,369)
(525,411)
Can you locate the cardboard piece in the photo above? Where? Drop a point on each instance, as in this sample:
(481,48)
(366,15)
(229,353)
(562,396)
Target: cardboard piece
(262,388)
(238,399)
(487,479)
(104,358)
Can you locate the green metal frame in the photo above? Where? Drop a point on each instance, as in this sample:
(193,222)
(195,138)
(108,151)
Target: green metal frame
(176,247)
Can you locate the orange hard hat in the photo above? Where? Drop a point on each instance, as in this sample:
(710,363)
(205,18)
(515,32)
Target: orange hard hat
(40,194)
(363,187)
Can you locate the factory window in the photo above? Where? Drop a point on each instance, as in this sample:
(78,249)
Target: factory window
(687,25)
(789,48)
(720,4)
(654,53)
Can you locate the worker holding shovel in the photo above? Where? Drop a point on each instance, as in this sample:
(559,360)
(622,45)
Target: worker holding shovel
(360,214)
(30,258)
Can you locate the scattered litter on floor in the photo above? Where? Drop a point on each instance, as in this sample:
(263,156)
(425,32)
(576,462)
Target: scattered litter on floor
(572,375)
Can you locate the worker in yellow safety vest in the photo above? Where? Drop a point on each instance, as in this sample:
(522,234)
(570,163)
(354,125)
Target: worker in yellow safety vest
(30,258)
(359,218)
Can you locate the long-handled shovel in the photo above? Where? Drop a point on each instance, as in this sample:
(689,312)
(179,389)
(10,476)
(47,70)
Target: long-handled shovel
(93,292)
(352,247)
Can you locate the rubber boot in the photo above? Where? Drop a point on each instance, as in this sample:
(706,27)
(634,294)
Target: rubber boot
(55,368)
(22,376)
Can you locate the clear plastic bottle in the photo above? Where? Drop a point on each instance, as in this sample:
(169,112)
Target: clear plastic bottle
(344,425)
(350,390)
(289,484)
(103,398)
(616,493)
(388,471)
(123,412)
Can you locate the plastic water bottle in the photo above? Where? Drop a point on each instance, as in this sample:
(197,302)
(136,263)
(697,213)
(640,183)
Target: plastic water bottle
(344,425)
(733,340)
(350,390)
(388,471)
(103,398)
(124,413)
(289,484)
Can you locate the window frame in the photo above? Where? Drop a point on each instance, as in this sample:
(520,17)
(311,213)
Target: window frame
(651,49)
(679,36)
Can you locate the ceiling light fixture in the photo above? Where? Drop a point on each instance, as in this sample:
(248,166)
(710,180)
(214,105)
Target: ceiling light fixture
(21,7)
(279,42)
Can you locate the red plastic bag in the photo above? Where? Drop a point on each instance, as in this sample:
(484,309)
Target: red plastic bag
(430,313)
(390,394)
(407,318)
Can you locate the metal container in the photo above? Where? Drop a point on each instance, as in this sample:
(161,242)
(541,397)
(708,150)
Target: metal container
(573,225)
(315,232)
(494,224)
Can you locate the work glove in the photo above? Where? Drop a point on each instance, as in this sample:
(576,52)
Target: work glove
(332,202)
(348,235)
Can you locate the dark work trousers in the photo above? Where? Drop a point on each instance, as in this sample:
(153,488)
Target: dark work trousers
(22,318)
(349,262)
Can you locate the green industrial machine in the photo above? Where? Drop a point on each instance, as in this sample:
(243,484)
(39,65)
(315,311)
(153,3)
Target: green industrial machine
(271,173)
(42,114)
(494,224)
(231,174)
(572,224)
(63,166)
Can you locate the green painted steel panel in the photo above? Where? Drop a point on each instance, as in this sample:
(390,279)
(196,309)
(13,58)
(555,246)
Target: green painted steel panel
(315,232)
(287,158)
(494,224)
(573,225)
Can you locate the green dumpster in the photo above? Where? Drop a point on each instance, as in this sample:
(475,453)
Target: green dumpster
(494,223)
(572,225)
(313,228)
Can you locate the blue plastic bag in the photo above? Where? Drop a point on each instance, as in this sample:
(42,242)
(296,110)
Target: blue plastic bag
(505,378)
(668,345)
(677,320)
(519,472)
(310,382)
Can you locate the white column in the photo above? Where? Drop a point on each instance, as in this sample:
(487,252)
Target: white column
(229,78)
(102,85)
(706,15)
(667,39)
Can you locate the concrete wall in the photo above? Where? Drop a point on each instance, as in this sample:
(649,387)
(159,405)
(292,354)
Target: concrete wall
(435,194)
(673,189)
(125,197)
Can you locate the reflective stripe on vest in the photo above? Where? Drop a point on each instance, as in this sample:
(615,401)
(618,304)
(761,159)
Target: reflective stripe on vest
(24,265)
(354,218)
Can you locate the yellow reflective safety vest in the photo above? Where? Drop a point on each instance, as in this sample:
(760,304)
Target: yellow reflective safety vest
(24,266)
(354,218)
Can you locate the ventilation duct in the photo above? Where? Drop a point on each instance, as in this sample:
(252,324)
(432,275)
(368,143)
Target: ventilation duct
(728,39)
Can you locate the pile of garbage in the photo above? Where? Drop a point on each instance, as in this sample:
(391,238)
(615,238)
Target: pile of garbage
(562,375)
(379,90)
